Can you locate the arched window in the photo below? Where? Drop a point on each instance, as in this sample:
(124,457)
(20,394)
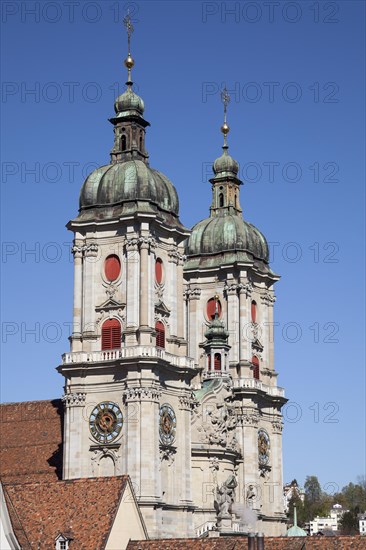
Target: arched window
(124,143)
(211,308)
(209,361)
(221,200)
(111,334)
(255,362)
(159,271)
(112,267)
(236,201)
(160,334)
(217,361)
(253,311)
(140,142)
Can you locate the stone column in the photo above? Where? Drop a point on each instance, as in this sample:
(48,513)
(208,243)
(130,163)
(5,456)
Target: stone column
(143,450)
(193,295)
(89,328)
(180,307)
(173,294)
(144,292)
(78,293)
(269,300)
(274,493)
(132,291)
(73,428)
(233,321)
(250,421)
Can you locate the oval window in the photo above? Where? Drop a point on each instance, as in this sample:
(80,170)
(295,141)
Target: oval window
(211,308)
(112,267)
(159,271)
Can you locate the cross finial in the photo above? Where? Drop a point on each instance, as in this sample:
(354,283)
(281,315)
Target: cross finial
(129,27)
(225,98)
(129,62)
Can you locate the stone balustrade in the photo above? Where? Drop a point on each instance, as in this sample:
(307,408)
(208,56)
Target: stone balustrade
(125,353)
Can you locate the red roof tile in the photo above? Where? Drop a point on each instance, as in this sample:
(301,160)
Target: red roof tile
(31,440)
(82,508)
(241,543)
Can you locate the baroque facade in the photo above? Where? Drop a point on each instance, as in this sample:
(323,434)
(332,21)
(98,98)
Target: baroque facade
(170,378)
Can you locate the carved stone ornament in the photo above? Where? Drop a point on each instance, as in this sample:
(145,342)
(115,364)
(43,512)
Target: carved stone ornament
(99,454)
(248,418)
(135,242)
(220,428)
(176,256)
(234,288)
(264,471)
(188,402)
(141,394)
(90,249)
(268,298)
(74,399)
(214,464)
(277,426)
(192,293)
(167,453)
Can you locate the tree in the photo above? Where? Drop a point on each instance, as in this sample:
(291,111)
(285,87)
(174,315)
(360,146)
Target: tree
(348,523)
(295,500)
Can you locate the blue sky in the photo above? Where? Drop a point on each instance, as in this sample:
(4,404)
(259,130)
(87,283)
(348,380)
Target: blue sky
(295,71)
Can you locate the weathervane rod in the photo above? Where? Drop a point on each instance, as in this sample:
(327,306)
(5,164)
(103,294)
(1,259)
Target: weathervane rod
(129,62)
(225,98)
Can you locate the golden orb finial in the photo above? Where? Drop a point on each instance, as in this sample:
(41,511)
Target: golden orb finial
(129,62)
(225,98)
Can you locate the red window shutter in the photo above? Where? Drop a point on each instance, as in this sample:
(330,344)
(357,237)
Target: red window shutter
(111,334)
(253,312)
(159,270)
(160,334)
(209,361)
(255,362)
(217,361)
(112,267)
(211,308)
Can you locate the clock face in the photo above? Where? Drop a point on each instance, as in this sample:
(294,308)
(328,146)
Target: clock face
(167,424)
(106,422)
(263,447)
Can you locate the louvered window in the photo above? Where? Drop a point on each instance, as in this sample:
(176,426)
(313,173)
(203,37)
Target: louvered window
(217,361)
(160,334)
(255,362)
(111,334)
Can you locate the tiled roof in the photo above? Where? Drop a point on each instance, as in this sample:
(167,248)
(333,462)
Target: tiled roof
(83,508)
(241,543)
(31,440)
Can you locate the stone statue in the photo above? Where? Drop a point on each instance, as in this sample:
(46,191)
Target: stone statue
(225,496)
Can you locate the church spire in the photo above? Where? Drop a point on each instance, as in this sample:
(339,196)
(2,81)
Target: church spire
(129,123)
(129,61)
(225,183)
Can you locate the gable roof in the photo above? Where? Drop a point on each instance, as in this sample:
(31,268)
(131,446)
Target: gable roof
(84,509)
(31,440)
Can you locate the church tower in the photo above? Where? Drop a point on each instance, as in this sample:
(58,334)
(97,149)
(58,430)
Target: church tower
(236,429)
(128,398)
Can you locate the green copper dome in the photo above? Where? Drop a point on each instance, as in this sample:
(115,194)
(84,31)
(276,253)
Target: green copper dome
(128,103)
(126,187)
(225,164)
(225,239)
